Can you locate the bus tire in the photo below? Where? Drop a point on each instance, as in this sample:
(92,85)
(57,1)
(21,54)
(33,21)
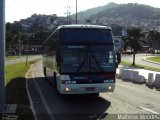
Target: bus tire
(55,84)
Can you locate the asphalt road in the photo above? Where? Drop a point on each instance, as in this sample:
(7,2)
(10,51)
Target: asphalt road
(9,62)
(139,60)
(128,98)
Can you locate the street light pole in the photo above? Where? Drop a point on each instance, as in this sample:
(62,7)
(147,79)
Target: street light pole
(2,56)
(76,11)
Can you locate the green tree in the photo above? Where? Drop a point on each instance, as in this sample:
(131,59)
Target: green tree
(39,37)
(9,41)
(9,38)
(117,30)
(19,39)
(152,39)
(158,41)
(133,40)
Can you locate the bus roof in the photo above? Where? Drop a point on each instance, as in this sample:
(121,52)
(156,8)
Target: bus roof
(84,26)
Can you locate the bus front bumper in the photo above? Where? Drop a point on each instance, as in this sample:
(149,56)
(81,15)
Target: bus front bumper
(86,88)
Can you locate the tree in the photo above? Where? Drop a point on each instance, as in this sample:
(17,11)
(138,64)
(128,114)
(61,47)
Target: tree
(133,40)
(117,30)
(151,39)
(39,37)
(158,41)
(9,38)
(9,41)
(19,39)
(16,28)
(154,40)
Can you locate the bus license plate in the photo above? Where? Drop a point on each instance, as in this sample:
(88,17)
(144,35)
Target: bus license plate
(90,89)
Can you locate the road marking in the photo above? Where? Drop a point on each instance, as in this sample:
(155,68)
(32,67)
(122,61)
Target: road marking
(29,96)
(148,110)
(43,100)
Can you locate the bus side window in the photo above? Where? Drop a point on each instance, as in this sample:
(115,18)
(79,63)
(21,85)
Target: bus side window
(57,48)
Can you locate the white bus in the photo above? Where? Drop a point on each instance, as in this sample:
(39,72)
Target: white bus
(80,59)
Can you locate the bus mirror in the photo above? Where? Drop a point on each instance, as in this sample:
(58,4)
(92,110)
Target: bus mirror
(117,64)
(118,58)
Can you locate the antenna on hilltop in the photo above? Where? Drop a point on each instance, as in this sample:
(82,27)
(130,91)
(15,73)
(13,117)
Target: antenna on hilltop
(68,13)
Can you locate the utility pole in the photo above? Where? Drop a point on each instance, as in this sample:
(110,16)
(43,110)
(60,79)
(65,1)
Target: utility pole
(76,11)
(2,56)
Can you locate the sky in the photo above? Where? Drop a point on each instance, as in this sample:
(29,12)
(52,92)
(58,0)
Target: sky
(21,9)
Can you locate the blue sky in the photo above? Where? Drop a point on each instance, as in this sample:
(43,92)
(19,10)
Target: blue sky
(21,9)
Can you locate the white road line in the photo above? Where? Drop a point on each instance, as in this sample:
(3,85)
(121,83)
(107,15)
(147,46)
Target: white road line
(148,110)
(29,97)
(43,100)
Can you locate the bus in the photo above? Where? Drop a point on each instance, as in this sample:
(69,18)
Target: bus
(80,59)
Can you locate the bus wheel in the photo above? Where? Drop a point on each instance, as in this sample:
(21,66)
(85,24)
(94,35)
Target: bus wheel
(55,84)
(44,71)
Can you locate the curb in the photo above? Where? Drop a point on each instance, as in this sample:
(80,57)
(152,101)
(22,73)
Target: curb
(150,61)
(28,93)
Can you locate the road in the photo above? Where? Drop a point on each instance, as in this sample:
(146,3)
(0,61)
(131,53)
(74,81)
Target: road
(128,98)
(139,61)
(9,62)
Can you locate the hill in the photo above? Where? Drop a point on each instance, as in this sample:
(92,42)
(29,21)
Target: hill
(38,22)
(120,16)
(138,11)
(83,15)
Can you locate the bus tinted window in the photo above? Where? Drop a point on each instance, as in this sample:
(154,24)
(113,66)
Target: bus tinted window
(87,35)
(95,58)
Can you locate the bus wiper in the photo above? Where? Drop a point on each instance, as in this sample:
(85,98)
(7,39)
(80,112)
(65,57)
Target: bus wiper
(80,67)
(101,70)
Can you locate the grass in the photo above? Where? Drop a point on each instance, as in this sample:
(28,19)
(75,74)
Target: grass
(141,66)
(15,89)
(154,59)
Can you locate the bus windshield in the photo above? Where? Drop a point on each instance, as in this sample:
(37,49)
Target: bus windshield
(86,35)
(95,58)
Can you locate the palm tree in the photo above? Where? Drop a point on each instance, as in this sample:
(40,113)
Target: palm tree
(154,40)
(151,39)
(158,41)
(9,38)
(133,40)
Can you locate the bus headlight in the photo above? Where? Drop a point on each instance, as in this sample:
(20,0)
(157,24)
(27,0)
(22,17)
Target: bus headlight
(109,88)
(67,89)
